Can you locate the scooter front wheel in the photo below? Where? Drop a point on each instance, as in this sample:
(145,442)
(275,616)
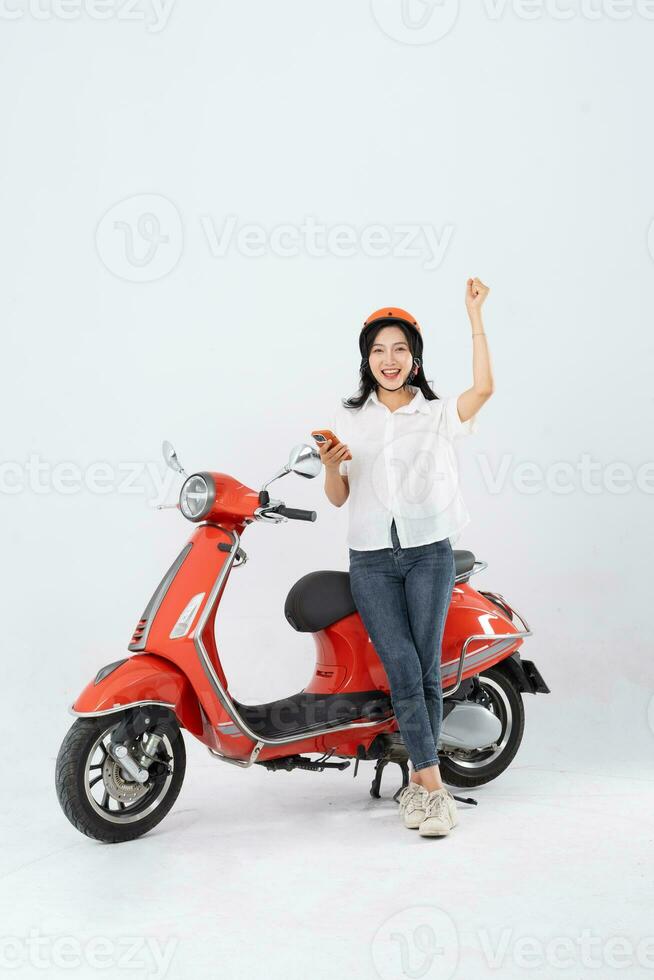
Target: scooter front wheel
(97,794)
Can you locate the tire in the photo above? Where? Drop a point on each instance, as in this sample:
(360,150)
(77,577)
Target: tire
(76,776)
(477,768)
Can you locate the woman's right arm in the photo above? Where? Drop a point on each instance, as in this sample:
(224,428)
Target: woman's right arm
(337,486)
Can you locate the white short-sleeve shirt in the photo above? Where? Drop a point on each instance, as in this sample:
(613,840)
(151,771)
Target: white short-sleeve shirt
(403,466)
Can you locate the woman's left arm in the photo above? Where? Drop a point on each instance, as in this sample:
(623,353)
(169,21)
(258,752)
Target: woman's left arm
(470,401)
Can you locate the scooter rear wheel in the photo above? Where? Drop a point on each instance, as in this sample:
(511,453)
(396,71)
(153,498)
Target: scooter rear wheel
(99,798)
(474,768)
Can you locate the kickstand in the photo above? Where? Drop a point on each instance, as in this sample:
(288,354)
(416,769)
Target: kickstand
(379,769)
(404,766)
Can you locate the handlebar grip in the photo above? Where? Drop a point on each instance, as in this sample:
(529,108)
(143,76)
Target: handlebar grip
(295,514)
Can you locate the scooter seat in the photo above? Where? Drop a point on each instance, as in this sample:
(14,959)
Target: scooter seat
(463,562)
(321,598)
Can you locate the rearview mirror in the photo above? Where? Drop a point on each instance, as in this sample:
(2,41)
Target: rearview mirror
(170,457)
(305,461)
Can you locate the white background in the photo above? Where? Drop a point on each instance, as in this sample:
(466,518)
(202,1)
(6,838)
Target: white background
(525,144)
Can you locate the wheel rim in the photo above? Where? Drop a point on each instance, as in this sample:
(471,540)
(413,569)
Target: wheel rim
(118,799)
(501,707)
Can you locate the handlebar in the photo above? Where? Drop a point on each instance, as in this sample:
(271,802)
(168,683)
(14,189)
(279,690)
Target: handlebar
(296,514)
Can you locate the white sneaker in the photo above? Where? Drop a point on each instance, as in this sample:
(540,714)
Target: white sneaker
(412,805)
(440,814)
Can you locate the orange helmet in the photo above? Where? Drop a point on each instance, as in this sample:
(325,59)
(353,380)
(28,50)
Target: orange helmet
(393,313)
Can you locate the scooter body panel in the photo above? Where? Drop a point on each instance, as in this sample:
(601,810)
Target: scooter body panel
(346,659)
(142,679)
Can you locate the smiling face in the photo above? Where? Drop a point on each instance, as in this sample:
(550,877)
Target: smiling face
(390,358)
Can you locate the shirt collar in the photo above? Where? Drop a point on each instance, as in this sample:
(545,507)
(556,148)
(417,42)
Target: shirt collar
(418,404)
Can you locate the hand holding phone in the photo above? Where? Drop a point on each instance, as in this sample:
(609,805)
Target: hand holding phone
(332,450)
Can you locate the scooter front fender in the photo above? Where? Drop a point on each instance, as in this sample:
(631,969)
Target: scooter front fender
(142,679)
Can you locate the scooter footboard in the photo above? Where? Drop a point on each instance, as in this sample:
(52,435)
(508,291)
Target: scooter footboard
(142,679)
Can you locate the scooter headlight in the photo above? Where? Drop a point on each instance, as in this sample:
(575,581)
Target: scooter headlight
(197,496)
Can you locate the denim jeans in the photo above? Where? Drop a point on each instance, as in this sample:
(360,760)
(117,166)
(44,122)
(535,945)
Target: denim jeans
(402,596)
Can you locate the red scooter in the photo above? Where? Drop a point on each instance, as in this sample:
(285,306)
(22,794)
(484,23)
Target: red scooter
(121,765)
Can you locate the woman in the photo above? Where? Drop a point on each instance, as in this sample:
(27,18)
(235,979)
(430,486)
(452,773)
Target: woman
(397,466)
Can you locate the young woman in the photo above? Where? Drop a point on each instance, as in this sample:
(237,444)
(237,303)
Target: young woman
(397,467)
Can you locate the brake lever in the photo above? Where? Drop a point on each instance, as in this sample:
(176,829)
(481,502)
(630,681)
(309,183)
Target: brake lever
(269,516)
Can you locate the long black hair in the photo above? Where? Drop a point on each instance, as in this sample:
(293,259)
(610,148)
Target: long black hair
(367,381)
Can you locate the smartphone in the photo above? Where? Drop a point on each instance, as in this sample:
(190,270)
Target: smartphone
(322,435)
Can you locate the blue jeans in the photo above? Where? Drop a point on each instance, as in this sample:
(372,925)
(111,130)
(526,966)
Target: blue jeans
(402,596)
